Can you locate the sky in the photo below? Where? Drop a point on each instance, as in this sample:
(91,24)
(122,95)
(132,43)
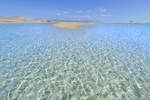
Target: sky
(98,10)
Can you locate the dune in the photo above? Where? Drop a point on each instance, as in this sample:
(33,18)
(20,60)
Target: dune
(71,25)
(20,19)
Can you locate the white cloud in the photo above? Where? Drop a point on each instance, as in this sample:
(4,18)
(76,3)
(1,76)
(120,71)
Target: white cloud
(58,14)
(105,15)
(65,12)
(84,17)
(102,9)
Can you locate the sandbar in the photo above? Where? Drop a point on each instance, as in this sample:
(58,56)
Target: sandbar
(71,25)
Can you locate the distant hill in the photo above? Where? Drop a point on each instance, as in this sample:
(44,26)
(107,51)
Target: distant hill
(21,19)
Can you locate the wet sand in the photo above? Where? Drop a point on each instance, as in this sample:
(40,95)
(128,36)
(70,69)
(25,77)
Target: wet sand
(71,25)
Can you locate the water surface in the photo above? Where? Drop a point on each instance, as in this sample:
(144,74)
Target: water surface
(95,62)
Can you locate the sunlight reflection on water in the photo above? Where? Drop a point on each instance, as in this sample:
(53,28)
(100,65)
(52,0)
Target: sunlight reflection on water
(107,61)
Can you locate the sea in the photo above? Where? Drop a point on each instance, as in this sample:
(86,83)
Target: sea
(93,62)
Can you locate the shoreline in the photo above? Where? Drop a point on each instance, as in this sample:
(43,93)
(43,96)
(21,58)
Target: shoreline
(21,22)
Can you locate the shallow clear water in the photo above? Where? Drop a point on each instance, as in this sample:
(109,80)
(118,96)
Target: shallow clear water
(99,62)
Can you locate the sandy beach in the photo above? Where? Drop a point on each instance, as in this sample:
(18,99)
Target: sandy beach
(71,25)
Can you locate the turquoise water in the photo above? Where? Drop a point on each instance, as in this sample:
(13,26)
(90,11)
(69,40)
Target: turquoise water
(96,62)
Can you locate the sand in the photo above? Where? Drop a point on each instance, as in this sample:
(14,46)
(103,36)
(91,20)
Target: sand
(20,19)
(71,25)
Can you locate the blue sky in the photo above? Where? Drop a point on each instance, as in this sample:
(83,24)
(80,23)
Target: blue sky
(101,10)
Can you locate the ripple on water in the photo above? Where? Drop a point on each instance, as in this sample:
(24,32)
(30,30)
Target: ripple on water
(68,69)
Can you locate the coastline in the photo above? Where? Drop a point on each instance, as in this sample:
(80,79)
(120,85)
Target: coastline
(22,22)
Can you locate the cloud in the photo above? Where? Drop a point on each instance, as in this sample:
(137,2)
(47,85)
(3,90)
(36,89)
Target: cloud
(80,11)
(83,17)
(62,13)
(58,14)
(102,10)
(65,12)
(86,11)
(105,15)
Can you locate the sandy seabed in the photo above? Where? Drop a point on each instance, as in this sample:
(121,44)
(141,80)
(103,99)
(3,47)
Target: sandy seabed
(47,65)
